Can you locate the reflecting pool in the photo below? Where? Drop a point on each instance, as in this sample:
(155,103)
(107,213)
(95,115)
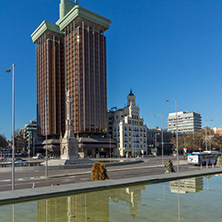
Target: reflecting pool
(190,200)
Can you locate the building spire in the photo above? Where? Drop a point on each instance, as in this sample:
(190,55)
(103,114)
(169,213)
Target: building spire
(77,2)
(131,92)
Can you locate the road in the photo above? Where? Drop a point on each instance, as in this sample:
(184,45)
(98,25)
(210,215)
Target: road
(31,179)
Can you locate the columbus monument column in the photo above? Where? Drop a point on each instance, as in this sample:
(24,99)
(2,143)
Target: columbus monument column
(68,144)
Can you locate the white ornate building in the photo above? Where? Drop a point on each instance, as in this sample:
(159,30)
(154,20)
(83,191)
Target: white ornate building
(128,129)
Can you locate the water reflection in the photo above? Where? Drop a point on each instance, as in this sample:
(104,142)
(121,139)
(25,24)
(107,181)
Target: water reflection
(184,200)
(208,177)
(191,185)
(163,198)
(90,206)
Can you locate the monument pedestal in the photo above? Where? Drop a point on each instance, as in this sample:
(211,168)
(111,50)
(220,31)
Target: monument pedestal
(69,144)
(69,147)
(60,162)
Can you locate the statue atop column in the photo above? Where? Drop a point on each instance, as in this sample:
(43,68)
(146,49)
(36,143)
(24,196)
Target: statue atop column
(69,144)
(69,132)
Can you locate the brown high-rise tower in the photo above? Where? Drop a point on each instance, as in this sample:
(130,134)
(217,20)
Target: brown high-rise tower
(85,50)
(71,54)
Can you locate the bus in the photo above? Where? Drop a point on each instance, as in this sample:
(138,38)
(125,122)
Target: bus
(203,158)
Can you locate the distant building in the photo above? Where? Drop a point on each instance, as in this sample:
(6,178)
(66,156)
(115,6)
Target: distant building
(187,122)
(110,114)
(154,141)
(126,126)
(31,129)
(34,141)
(218,130)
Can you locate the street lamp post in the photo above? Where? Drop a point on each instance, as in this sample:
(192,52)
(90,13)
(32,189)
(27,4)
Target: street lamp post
(110,146)
(161,133)
(210,142)
(178,170)
(13,123)
(155,140)
(33,154)
(206,132)
(46,138)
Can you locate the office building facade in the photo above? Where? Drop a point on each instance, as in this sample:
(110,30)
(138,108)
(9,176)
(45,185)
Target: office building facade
(187,122)
(71,55)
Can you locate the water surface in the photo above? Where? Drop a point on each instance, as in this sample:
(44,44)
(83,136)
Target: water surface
(188,200)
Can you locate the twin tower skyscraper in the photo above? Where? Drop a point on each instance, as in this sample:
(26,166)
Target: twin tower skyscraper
(71,55)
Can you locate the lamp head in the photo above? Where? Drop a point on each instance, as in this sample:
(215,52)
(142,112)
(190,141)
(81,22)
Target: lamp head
(8,70)
(167,100)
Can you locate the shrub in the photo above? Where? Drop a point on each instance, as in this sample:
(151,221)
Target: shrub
(219,161)
(99,172)
(169,167)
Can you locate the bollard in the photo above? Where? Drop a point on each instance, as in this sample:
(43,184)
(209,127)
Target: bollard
(201,167)
(207,165)
(212,165)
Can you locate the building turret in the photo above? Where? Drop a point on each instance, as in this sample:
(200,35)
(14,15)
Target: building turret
(65,6)
(131,99)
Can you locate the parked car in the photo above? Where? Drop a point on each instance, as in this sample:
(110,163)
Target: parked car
(2,158)
(21,161)
(38,156)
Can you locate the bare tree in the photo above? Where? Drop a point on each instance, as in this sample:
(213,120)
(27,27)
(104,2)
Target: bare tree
(20,141)
(195,140)
(3,141)
(216,142)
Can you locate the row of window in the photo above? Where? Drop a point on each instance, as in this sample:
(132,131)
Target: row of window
(136,146)
(183,118)
(136,129)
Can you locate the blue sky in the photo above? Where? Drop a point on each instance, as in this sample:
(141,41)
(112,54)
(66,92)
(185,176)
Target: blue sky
(162,49)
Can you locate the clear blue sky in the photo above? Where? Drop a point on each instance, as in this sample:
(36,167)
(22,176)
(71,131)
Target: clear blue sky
(163,49)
